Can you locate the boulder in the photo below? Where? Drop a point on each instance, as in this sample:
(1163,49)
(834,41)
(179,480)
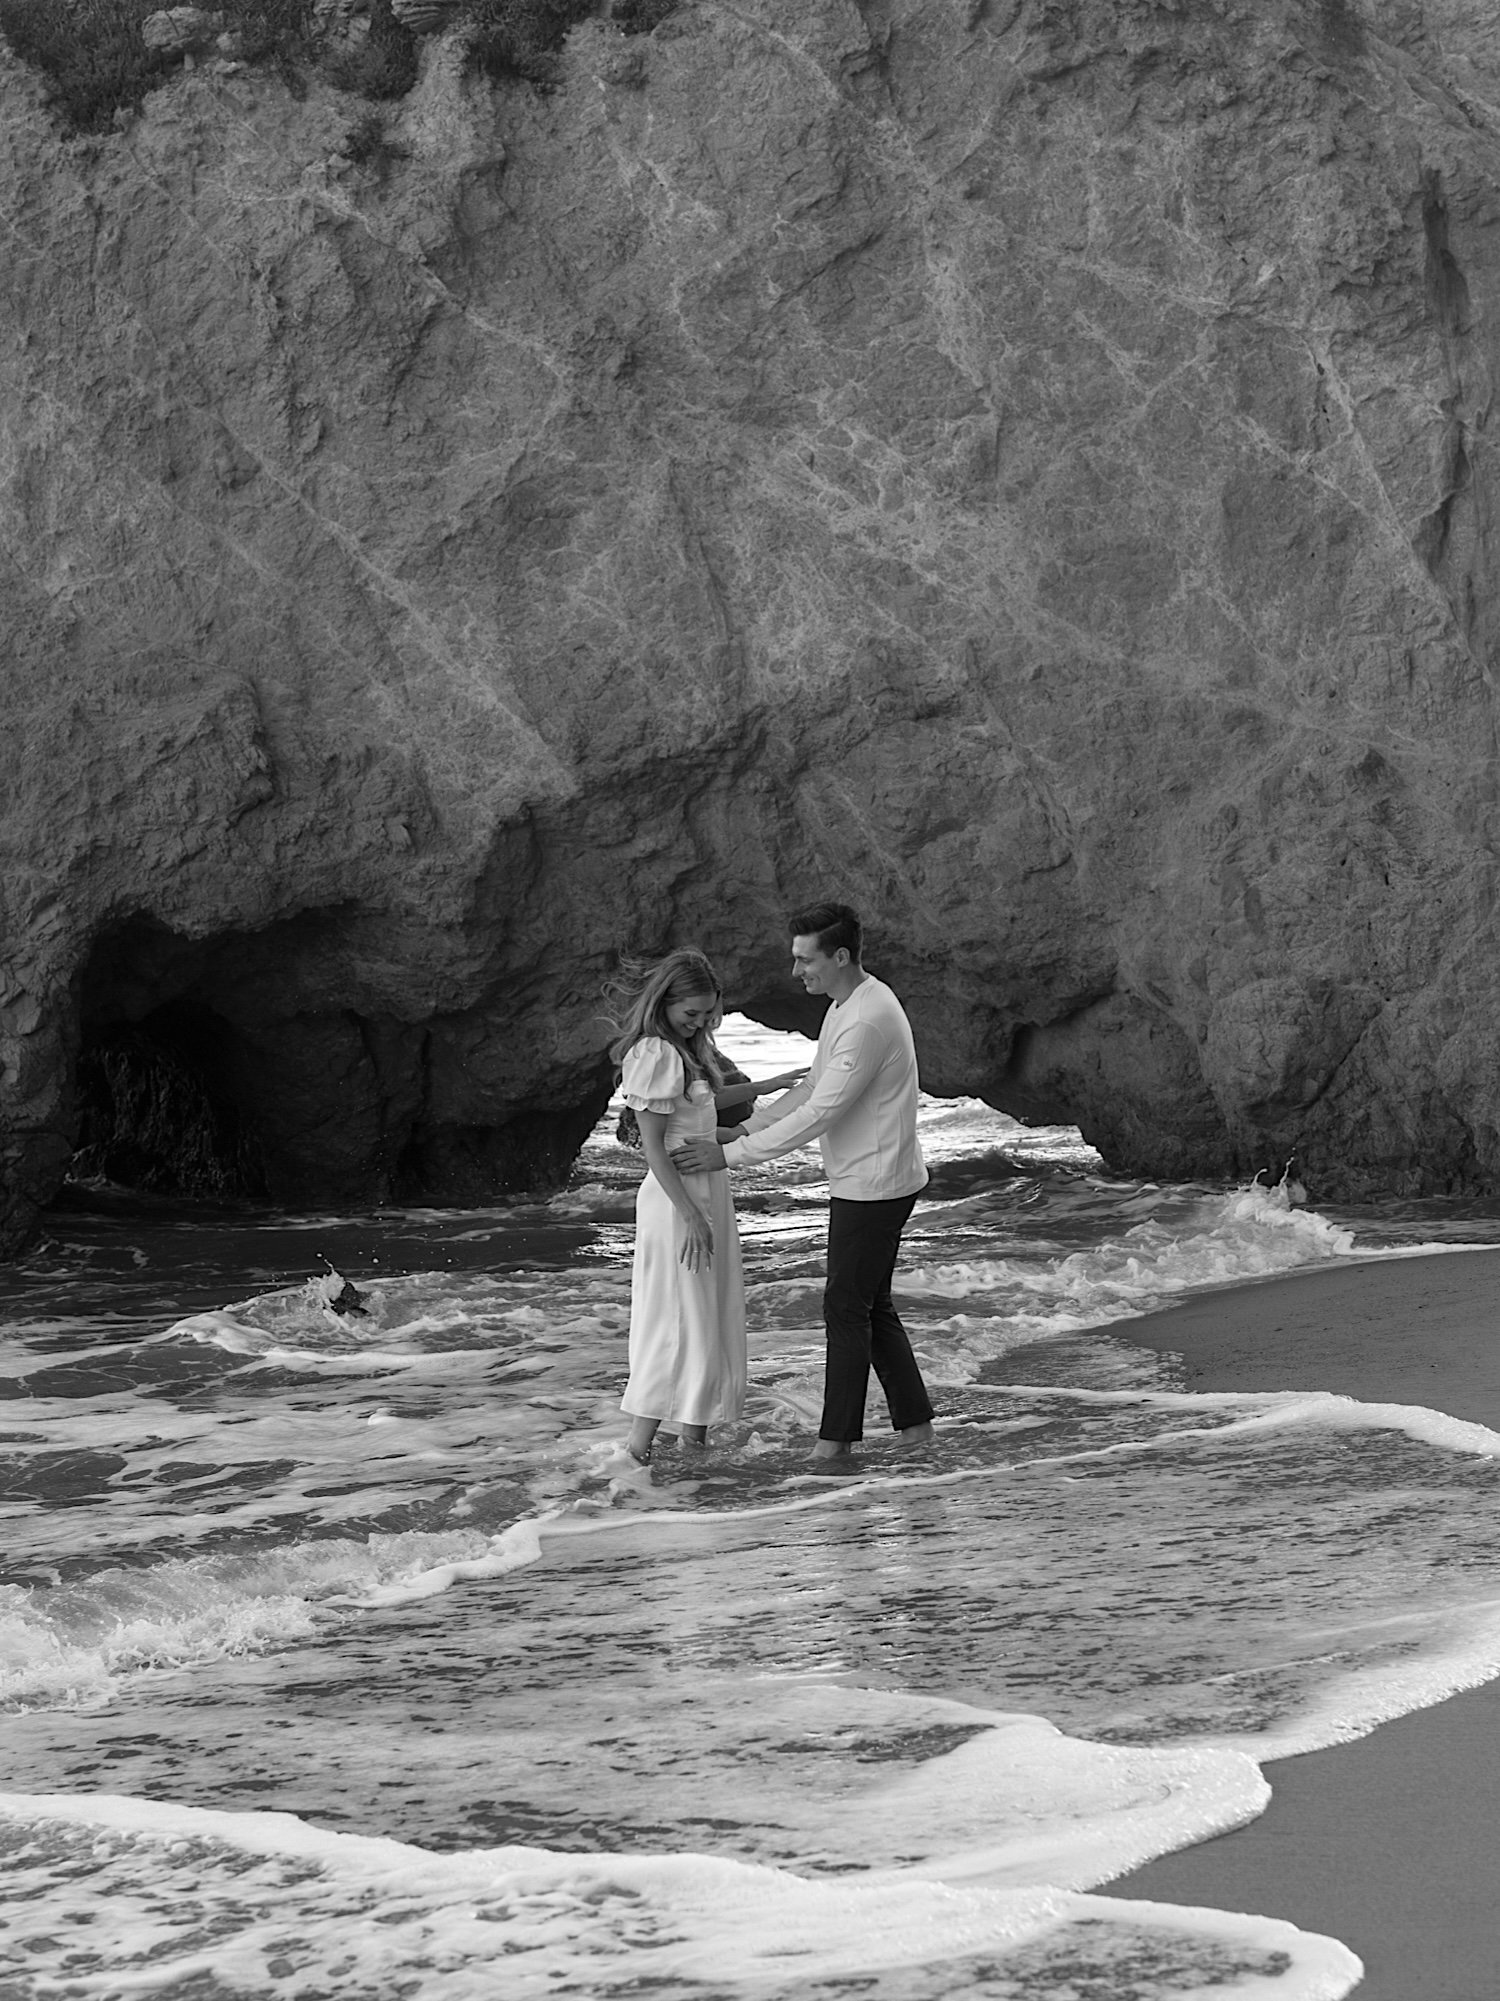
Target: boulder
(1021,467)
(181,30)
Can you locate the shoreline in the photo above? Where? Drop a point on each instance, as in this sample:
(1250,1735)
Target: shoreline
(1391,1842)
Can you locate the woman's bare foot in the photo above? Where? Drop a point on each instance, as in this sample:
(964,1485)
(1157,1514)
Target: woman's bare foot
(695,1434)
(638,1444)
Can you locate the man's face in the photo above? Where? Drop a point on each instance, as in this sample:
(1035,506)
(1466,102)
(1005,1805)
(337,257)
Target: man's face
(815,968)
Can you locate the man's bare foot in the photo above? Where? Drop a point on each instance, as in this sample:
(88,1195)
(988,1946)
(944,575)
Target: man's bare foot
(831,1448)
(916,1434)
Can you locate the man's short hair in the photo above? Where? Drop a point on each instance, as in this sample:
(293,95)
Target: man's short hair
(833,925)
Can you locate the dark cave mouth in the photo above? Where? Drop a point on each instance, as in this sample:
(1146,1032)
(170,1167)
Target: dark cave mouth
(180,1105)
(157,1113)
(199,1079)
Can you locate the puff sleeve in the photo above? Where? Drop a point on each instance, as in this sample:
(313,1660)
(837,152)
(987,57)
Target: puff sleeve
(652,1077)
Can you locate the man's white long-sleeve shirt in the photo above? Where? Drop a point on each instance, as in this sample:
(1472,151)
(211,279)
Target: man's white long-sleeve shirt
(859,1101)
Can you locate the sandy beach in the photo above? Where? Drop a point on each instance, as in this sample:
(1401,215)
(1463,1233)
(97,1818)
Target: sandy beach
(1391,1843)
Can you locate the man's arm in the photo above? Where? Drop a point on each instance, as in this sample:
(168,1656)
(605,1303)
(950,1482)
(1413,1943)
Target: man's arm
(778,1109)
(851,1067)
(704,1156)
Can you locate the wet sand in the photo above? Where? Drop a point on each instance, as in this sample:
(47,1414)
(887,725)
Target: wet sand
(1391,1843)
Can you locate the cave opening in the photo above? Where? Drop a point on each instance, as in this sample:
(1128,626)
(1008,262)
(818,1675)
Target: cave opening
(158,1107)
(232,1068)
(156,1111)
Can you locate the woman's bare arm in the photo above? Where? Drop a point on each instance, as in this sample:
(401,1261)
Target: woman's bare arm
(738,1094)
(699,1247)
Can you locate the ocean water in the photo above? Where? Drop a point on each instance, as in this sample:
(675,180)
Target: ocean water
(349,1655)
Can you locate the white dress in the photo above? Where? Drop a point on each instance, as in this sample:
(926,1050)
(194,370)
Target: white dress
(687,1328)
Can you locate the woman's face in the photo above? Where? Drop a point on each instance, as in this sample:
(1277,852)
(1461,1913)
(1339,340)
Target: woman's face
(690,1014)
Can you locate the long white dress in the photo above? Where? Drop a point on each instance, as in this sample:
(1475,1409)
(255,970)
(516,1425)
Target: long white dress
(687,1328)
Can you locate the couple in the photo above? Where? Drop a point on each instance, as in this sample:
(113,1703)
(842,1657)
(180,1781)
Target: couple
(859,1101)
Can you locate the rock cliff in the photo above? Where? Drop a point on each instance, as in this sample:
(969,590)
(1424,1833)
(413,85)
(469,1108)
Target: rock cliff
(1021,464)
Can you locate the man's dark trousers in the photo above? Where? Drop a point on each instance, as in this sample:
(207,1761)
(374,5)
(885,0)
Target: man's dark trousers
(863,1326)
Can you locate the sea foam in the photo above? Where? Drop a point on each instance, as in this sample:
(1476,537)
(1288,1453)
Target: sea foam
(273,1906)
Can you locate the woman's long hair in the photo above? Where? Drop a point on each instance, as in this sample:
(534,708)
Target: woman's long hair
(638,998)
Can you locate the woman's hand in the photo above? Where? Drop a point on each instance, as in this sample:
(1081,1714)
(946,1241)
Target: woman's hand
(697,1252)
(782,1083)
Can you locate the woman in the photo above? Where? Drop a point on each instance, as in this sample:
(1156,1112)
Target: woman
(687,1294)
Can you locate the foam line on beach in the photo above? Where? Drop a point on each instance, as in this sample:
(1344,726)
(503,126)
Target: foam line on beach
(1269,1412)
(458,1922)
(1357,1702)
(1277,1409)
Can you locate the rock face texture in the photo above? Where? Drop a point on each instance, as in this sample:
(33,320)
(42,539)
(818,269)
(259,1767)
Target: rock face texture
(1022,465)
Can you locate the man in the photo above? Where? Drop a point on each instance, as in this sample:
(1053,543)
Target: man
(859,1101)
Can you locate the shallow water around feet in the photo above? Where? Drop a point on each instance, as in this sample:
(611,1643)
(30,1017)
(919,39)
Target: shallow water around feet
(350,1655)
